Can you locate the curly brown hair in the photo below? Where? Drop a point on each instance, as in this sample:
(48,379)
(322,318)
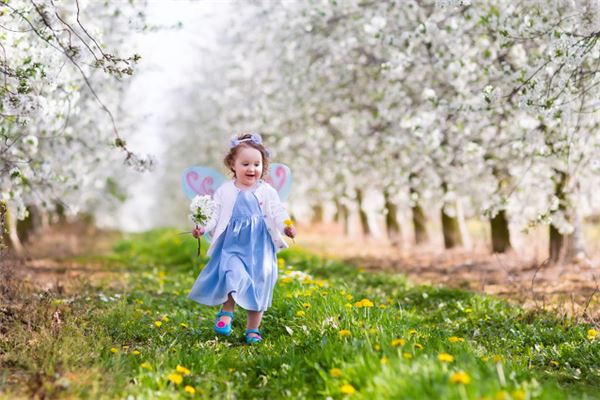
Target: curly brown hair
(229,160)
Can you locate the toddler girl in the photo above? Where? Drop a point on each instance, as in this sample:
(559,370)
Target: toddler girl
(246,236)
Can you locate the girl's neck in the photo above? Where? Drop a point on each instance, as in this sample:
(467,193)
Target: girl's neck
(244,187)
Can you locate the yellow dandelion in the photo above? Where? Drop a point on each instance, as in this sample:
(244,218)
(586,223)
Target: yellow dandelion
(592,333)
(412,332)
(384,360)
(182,369)
(146,365)
(165,318)
(364,303)
(445,357)
(460,377)
(335,372)
(407,356)
(519,394)
(497,358)
(136,352)
(306,305)
(349,297)
(348,305)
(157,324)
(288,222)
(190,389)
(347,389)
(382,306)
(184,325)
(114,350)
(344,333)
(454,339)
(418,346)
(175,378)
(398,342)
(501,395)
(300,313)
(125,347)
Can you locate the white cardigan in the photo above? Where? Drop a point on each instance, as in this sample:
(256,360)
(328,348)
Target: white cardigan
(270,205)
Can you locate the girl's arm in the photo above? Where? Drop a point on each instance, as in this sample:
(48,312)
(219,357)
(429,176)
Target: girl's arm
(278,211)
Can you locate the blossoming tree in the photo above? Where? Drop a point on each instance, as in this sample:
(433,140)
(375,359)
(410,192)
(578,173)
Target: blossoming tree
(58,94)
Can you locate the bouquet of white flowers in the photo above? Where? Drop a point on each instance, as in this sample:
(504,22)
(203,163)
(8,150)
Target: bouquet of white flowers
(202,209)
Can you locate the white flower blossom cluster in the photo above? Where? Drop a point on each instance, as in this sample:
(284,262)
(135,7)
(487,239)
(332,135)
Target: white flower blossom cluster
(54,135)
(202,209)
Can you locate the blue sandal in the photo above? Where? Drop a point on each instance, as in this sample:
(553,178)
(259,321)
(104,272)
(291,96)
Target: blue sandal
(221,327)
(253,339)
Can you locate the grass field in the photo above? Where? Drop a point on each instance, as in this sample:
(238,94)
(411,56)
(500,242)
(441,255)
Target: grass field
(333,331)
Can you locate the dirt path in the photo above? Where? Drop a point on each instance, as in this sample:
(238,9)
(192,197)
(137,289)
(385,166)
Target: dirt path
(47,263)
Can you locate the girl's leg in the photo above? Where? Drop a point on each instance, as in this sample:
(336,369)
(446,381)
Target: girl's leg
(254,318)
(229,305)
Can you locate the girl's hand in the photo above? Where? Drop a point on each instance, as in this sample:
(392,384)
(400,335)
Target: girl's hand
(197,231)
(290,231)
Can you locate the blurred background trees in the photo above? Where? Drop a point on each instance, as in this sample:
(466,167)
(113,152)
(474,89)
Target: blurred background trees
(388,113)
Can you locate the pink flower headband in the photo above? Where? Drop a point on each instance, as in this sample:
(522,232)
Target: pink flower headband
(254,138)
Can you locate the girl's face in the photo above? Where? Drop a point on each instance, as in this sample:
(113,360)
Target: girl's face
(247,166)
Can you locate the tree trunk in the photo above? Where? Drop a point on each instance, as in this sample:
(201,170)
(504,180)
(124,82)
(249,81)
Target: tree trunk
(30,225)
(317,216)
(4,239)
(10,239)
(500,233)
(576,249)
(571,247)
(364,220)
(337,216)
(567,248)
(556,245)
(419,219)
(342,215)
(391,220)
(420,224)
(451,231)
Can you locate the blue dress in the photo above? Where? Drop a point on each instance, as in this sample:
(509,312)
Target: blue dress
(243,262)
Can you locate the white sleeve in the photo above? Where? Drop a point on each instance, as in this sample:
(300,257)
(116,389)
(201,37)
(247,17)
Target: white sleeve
(212,223)
(278,211)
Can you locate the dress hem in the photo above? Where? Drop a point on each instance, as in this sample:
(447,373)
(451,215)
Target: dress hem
(211,302)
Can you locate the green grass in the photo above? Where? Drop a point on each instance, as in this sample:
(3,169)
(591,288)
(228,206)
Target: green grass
(505,351)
